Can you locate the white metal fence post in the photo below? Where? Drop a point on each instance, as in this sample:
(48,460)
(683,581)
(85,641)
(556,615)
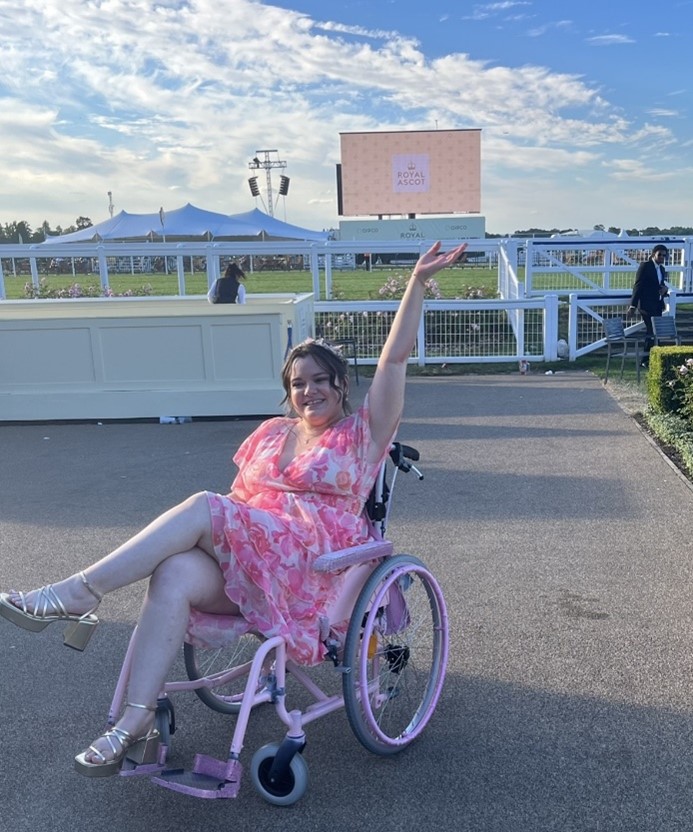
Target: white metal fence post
(328,275)
(180,269)
(103,266)
(572,327)
(209,263)
(529,258)
(34,272)
(315,271)
(687,257)
(551,327)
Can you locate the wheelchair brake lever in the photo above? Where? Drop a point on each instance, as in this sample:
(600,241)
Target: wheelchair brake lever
(416,471)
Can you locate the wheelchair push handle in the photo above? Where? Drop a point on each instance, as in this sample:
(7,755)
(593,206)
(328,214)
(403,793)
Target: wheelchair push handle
(403,456)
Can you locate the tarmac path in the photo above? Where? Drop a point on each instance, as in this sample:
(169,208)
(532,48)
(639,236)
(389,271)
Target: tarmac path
(561,537)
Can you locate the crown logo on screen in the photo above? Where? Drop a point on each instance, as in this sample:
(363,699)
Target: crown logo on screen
(412,227)
(412,165)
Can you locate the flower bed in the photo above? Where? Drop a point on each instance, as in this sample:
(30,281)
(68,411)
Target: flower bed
(76,290)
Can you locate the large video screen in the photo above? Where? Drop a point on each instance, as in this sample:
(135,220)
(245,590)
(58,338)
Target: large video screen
(410,172)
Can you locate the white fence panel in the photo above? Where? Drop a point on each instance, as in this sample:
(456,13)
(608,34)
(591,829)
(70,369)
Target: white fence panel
(452,332)
(587,314)
(569,265)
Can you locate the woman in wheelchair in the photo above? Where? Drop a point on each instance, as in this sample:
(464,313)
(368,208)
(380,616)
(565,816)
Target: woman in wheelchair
(299,492)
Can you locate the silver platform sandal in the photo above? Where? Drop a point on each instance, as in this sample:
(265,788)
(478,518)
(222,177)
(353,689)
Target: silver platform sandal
(48,609)
(141,750)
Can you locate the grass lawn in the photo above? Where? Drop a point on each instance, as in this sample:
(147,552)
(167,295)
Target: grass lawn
(346,284)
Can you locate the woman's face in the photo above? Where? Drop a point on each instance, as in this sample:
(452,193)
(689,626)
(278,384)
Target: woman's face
(312,397)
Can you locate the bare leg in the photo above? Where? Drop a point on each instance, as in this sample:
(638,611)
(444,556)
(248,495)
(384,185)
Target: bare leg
(185,580)
(180,529)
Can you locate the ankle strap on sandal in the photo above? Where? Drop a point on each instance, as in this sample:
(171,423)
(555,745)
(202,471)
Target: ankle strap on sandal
(143,707)
(97,595)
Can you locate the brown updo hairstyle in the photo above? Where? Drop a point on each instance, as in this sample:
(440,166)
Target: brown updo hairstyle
(234,270)
(331,361)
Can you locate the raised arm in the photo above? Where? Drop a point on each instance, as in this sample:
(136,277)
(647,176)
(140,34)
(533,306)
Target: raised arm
(386,394)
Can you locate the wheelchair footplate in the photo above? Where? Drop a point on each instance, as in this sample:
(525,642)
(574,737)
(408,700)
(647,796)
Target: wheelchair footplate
(208,778)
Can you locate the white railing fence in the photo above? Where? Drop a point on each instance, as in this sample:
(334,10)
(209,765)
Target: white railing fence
(180,258)
(594,277)
(568,265)
(44,259)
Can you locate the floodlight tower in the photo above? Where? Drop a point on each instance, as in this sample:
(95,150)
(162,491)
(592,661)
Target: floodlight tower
(268,164)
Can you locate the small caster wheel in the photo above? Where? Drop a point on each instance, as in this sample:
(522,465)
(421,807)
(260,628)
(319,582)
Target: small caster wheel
(283,791)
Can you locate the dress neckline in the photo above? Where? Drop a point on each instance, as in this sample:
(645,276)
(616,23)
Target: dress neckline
(288,430)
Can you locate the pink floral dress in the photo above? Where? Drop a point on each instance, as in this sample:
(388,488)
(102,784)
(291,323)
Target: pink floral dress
(268,531)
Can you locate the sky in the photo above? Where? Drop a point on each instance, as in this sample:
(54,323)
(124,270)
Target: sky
(585,109)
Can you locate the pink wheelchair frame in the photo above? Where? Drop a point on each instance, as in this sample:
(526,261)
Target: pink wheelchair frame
(392,664)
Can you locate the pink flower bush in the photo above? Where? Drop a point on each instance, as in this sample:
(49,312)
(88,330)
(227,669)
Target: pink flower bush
(394,287)
(76,290)
(682,387)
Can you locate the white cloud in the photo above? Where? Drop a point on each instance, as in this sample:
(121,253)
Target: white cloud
(486,10)
(609,40)
(151,101)
(548,27)
(636,169)
(659,112)
(375,34)
(505,5)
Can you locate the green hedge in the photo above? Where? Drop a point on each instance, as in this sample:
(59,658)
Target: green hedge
(664,361)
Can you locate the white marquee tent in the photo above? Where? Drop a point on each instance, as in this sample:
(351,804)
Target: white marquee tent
(190,223)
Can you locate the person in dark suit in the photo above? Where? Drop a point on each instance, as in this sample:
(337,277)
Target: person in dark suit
(649,291)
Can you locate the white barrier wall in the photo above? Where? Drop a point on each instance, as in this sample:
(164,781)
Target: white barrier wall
(120,358)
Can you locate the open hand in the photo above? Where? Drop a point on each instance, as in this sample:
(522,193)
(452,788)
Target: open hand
(432,262)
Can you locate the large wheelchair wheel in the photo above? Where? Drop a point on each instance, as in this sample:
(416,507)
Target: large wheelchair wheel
(201,662)
(395,655)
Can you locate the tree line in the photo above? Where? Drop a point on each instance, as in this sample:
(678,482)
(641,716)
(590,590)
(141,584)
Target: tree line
(22,232)
(650,231)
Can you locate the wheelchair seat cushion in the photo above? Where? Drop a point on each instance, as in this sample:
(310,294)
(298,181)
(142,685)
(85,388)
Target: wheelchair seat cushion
(273,525)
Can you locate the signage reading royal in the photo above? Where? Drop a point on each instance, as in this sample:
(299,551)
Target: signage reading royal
(410,174)
(396,173)
(436,228)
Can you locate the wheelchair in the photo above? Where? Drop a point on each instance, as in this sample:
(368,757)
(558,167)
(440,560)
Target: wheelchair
(391,659)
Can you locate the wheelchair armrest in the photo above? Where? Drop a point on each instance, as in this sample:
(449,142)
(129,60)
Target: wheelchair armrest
(335,561)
